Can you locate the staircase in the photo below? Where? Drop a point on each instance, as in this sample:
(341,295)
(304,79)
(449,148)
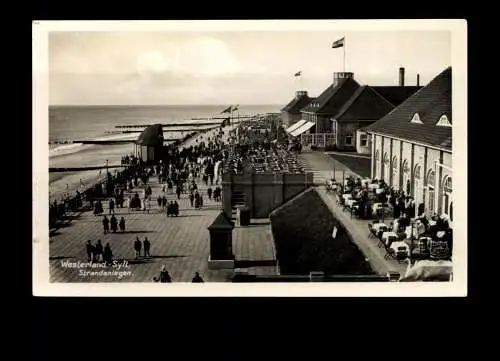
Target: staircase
(238,199)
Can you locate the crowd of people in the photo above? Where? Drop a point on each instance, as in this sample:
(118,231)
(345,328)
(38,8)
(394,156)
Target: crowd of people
(180,176)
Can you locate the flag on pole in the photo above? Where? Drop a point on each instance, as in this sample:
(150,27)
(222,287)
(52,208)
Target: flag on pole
(235,108)
(227,110)
(338,43)
(299,73)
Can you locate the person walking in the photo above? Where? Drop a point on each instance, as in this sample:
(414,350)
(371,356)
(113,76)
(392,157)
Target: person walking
(137,247)
(98,252)
(105,224)
(147,247)
(108,254)
(90,250)
(111,206)
(114,224)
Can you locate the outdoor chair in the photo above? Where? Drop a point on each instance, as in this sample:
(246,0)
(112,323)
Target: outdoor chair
(371,232)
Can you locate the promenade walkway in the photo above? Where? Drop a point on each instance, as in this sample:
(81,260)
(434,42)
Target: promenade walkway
(323,167)
(358,229)
(180,243)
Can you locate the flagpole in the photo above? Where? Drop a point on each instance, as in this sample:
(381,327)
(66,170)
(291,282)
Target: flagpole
(344,53)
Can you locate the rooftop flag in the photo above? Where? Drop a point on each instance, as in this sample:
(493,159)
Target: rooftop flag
(227,110)
(235,108)
(338,43)
(299,73)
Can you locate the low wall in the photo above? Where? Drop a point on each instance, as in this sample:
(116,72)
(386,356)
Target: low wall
(263,192)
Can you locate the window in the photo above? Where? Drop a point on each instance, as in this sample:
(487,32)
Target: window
(386,158)
(395,180)
(431,179)
(378,171)
(406,177)
(447,190)
(417,189)
(443,121)
(416,119)
(349,136)
(363,140)
(417,172)
(430,186)
(386,174)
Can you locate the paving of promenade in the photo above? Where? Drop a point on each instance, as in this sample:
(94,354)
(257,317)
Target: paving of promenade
(320,163)
(180,243)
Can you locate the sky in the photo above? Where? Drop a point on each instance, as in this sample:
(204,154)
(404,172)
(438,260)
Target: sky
(230,67)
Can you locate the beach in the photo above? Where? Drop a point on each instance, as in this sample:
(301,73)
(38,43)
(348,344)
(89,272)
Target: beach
(74,123)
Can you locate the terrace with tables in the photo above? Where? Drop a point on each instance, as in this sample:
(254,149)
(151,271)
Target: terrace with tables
(405,234)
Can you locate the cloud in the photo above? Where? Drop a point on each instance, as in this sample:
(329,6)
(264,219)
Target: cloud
(202,56)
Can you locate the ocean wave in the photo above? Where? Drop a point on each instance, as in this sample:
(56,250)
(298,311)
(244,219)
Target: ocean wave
(66,149)
(123,136)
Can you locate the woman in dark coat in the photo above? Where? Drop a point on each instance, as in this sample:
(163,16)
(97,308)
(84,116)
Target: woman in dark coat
(105,223)
(114,224)
(108,254)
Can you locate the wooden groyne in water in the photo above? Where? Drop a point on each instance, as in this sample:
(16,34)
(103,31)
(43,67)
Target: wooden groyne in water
(204,124)
(168,125)
(80,169)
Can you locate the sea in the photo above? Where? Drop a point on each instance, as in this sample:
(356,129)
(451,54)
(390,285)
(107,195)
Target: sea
(70,124)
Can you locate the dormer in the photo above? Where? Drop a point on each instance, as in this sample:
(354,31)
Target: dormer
(443,121)
(416,119)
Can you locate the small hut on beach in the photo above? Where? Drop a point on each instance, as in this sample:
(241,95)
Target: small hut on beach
(149,143)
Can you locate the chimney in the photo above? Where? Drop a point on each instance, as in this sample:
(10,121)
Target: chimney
(401,76)
(418,79)
(337,76)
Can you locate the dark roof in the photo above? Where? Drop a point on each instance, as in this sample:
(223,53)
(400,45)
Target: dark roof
(152,135)
(221,222)
(396,94)
(430,102)
(297,103)
(364,104)
(333,97)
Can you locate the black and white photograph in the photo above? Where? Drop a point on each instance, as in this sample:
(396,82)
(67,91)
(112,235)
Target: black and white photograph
(250,155)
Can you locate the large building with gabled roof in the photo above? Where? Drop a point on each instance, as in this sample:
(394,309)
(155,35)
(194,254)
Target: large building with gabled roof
(290,113)
(412,146)
(332,119)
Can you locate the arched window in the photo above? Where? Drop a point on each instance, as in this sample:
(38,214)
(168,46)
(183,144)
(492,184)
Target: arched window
(430,178)
(417,172)
(395,175)
(386,158)
(406,176)
(387,170)
(418,191)
(430,187)
(446,193)
(378,171)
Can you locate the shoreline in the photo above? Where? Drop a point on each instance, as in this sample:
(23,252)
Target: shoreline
(90,182)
